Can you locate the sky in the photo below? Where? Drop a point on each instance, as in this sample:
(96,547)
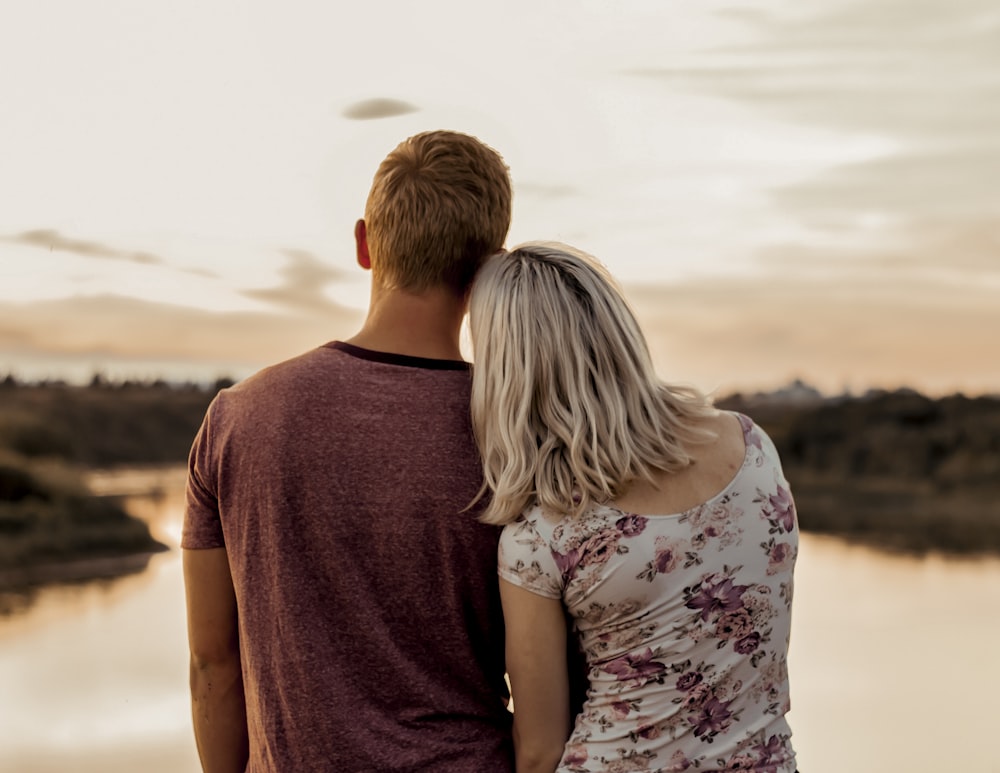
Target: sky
(786,190)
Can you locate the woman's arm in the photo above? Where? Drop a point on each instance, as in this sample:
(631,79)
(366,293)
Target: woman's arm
(536,665)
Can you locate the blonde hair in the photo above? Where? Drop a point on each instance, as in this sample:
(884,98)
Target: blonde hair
(440,203)
(566,406)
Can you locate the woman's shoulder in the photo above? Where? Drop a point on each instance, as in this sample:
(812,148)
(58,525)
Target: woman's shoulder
(757,441)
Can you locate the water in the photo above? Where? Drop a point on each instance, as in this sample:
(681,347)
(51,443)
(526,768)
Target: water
(893,663)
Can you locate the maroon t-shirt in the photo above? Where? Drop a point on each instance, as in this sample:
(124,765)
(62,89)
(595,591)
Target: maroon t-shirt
(370,625)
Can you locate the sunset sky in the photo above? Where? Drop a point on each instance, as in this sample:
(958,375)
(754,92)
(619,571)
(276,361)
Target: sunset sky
(785,189)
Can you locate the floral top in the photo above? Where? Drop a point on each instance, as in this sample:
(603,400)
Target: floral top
(684,621)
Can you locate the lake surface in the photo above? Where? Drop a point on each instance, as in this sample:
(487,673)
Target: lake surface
(893,662)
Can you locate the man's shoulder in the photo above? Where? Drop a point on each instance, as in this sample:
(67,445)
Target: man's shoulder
(275,385)
(314,361)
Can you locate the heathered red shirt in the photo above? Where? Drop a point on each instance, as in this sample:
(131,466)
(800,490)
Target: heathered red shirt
(371,633)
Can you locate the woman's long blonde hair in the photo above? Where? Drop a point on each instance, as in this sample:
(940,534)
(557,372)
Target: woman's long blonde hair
(566,406)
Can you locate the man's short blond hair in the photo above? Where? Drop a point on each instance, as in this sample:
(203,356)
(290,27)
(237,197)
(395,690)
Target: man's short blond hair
(439,205)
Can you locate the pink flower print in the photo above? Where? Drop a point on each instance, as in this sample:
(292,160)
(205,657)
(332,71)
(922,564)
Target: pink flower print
(529,573)
(717,596)
(688,681)
(630,525)
(639,667)
(567,562)
(748,643)
(768,750)
(599,548)
(779,558)
(783,507)
(741,761)
(733,625)
(620,709)
(649,732)
(713,718)
(696,696)
(575,754)
(668,553)
(678,762)
(697,516)
(721,513)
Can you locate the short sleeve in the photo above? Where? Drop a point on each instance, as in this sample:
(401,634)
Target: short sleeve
(525,559)
(202,525)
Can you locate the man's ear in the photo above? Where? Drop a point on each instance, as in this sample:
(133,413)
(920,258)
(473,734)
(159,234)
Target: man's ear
(361,241)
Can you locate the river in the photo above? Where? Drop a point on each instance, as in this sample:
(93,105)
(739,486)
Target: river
(894,661)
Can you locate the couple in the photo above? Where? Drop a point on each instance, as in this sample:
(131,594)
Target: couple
(344,612)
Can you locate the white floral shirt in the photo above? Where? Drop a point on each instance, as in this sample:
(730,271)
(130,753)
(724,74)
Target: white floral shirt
(683,619)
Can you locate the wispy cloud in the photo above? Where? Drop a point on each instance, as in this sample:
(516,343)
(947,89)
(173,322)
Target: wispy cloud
(115,326)
(918,78)
(890,66)
(723,335)
(380,107)
(305,276)
(968,250)
(49,239)
(731,334)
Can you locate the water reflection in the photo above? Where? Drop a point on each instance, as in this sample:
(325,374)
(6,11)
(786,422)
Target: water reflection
(95,674)
(892,661)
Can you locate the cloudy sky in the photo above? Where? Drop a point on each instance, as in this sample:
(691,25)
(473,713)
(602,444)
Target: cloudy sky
(786,189)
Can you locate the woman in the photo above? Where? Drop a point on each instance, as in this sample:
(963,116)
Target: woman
(663,526)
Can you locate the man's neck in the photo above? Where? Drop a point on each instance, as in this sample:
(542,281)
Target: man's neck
(419,325)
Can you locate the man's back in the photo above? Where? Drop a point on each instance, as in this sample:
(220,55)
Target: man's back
(369,617)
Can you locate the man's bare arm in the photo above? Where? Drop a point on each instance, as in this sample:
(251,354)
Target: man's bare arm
(218,705)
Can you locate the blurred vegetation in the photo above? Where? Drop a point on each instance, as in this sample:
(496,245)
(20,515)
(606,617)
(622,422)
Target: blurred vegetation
(104,424)
(50,434)
(897,470)
(48,517)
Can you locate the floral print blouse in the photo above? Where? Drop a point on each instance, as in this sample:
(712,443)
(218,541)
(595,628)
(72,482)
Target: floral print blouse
(683,619)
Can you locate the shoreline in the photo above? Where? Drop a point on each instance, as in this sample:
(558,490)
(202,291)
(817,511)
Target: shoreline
(119,488)
(26,579)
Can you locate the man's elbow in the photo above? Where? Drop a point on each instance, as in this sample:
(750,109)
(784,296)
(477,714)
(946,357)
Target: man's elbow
(214,668)
(205,658)
(214,677)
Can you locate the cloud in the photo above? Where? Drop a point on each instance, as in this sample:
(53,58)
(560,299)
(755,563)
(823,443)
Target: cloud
(371,109)
(722,335)
(887,67)
(49,239)
(112,326)
(109,331)
(967,250)
(305,276)
(743,334)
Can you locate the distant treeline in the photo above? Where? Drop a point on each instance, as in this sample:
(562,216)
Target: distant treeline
(105,423)
(894,469)
(50,433)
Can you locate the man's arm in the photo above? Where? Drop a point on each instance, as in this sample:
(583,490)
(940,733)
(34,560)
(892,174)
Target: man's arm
(536,665)
(218,705)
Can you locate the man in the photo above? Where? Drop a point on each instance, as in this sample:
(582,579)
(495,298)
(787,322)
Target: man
(343,610)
